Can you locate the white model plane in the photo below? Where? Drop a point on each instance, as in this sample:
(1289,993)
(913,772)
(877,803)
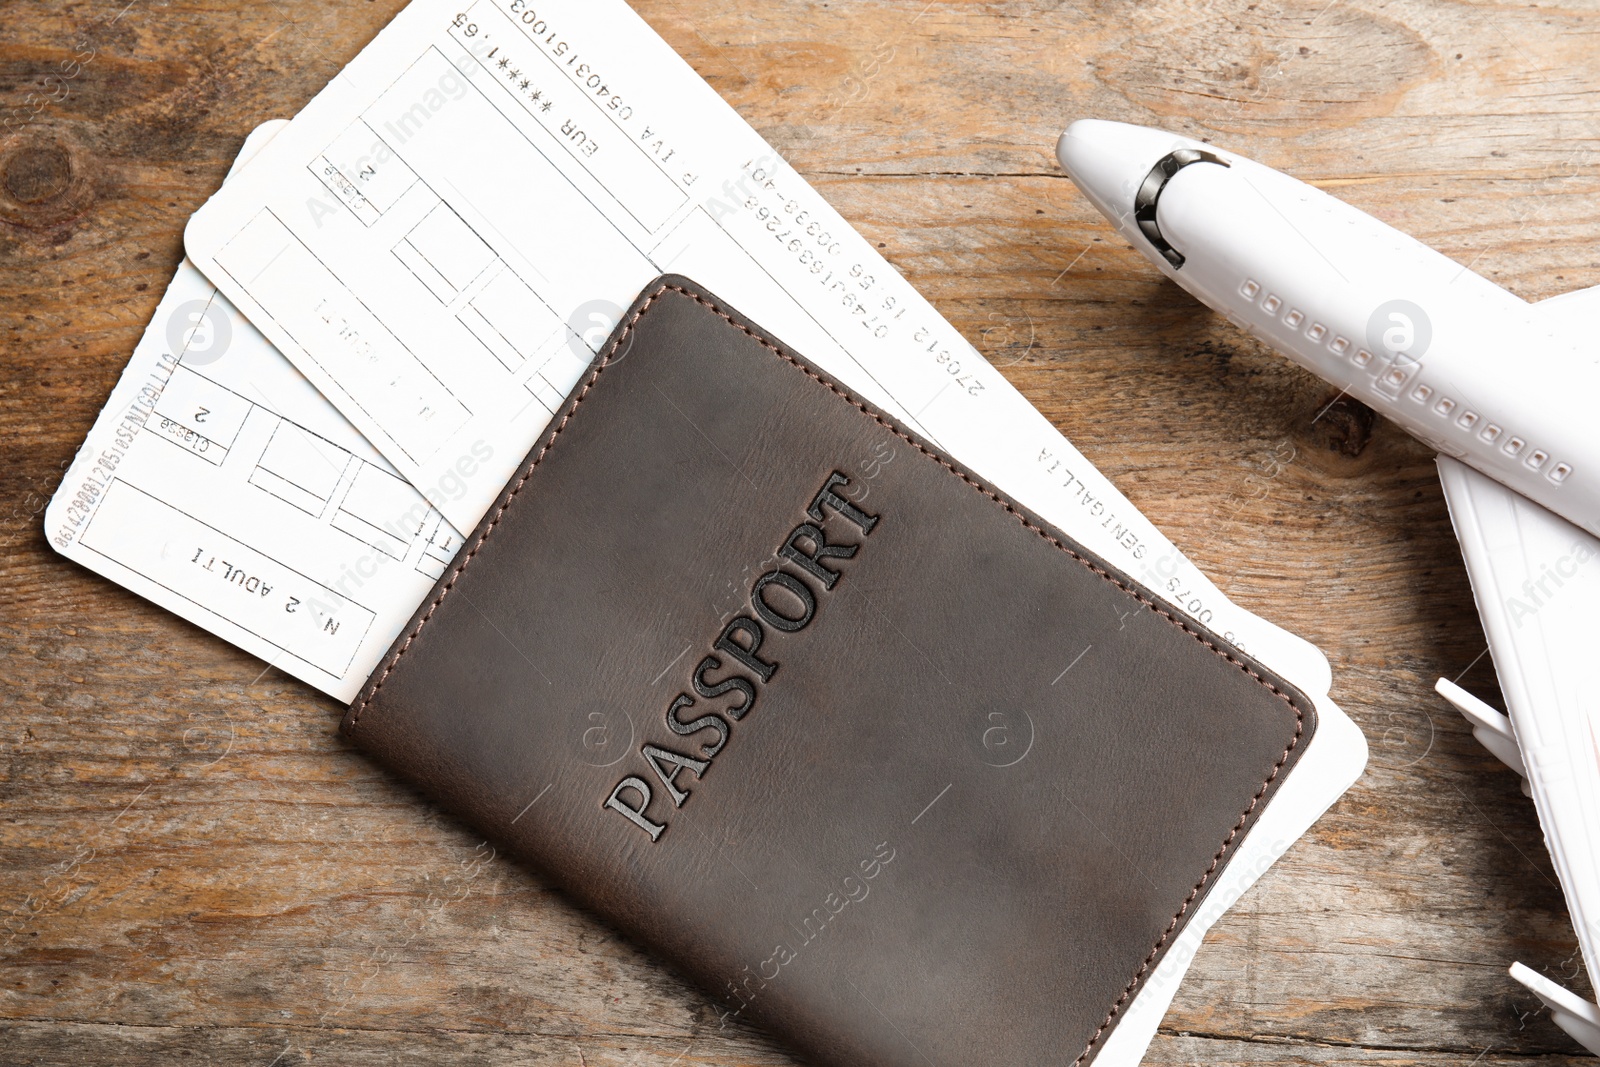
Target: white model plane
(1506,390)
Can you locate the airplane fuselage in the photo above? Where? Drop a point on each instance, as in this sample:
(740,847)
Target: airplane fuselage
(1459,362)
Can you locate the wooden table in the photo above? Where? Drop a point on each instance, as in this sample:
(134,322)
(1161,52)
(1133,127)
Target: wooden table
(192,864)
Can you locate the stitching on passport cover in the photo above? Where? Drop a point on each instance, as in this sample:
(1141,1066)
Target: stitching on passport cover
(510,495)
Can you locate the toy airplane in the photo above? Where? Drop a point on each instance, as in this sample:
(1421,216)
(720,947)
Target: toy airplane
(1507,391)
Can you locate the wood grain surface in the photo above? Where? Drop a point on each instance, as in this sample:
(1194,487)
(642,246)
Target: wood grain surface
(194,868)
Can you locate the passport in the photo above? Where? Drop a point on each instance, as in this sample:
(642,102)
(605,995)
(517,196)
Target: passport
(875,756)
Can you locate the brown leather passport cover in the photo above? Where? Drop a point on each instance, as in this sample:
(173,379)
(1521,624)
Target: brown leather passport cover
(882,760)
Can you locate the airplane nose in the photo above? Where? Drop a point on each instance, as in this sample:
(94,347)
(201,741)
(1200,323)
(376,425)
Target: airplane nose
(1109,161)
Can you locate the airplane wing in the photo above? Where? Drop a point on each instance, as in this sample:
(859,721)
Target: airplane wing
(1575,312)
(1536,580)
